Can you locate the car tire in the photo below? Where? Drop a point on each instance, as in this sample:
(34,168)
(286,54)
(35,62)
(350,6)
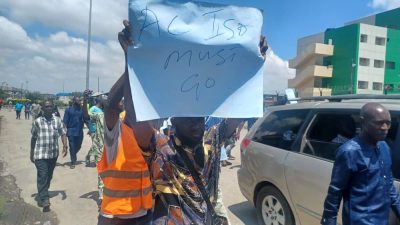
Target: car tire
(272,208)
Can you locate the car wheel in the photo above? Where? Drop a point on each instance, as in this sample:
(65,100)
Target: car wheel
(272,208)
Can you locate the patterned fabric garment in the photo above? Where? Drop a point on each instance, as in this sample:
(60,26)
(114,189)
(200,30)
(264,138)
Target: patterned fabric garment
(98,140)
(178,201)
(97,144)
(47,133)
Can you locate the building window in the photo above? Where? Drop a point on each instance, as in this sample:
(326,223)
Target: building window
(390,65)
(377,86)
(380,41)
(364,38)
(378,63)
(362,84)
(389,86)
(364,62)
(318,82)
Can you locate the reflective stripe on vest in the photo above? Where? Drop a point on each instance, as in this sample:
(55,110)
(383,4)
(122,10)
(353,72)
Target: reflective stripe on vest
(123,174)
(126,194)
(127,187)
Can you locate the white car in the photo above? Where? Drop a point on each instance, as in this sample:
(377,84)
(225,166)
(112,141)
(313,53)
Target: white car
(287,156)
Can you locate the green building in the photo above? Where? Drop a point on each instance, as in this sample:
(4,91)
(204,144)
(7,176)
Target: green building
(362,57)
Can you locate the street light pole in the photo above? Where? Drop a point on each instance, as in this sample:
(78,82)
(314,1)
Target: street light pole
(88,47)
(351,76)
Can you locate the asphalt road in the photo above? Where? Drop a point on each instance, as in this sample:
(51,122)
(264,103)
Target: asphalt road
(74,191)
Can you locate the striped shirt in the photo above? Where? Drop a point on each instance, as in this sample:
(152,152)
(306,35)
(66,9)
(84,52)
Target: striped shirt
(47,133)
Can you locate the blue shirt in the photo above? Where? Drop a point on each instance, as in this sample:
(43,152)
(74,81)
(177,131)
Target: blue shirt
(73,120)
(18,106)
(362,177)
(27,107)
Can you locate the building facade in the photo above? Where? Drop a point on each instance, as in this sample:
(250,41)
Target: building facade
(362,57)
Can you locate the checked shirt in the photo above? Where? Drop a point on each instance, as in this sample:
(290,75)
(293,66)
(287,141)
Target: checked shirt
(47,133)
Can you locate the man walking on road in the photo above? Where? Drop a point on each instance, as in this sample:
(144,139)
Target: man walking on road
(362,174)
(46,130)
(27,109)
(73,120)
(18,109)
(35,110)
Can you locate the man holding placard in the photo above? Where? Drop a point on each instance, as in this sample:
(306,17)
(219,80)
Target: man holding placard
(217,73)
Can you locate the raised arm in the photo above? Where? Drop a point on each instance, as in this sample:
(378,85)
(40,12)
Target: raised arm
(111,108)
(142,130)
(85,102)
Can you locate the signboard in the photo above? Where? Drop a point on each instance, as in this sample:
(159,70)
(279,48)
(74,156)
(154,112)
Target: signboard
(195,59)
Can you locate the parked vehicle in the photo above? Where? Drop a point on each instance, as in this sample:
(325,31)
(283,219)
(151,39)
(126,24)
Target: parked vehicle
(287,156)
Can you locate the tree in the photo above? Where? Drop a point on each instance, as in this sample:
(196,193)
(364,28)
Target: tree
(3,94)
(34,96)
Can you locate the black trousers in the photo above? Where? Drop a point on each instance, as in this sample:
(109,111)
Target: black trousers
(75,143)
(144,220)
(45,168)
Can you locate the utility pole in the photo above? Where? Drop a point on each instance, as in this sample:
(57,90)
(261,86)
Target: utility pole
(98,84)
(88,47)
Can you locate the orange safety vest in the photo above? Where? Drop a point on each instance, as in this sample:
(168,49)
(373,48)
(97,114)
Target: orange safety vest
(127,187)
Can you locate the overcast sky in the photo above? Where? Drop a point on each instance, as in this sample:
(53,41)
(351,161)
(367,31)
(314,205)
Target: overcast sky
(43,44)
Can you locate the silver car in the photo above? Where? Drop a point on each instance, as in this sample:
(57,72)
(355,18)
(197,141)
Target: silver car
(287,156)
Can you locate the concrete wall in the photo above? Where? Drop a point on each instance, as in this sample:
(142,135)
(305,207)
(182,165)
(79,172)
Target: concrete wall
(307,41)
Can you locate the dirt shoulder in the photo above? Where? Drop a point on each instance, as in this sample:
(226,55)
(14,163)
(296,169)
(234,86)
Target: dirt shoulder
(13,209)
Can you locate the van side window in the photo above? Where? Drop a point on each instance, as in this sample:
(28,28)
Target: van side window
(328,131)
(279,129)
(393,140)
